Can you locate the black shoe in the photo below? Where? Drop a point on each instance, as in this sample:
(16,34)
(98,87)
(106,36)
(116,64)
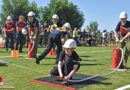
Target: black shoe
(121,67)
(7,49)
(20,51)
(37,61)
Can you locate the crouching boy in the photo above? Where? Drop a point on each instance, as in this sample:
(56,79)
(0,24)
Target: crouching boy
(69,61)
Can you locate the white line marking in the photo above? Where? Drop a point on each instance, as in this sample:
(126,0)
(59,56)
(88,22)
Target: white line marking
(5,87)
(123,88)
(99,57)
(11,56)
(24,67)
(96,51)
(103,51)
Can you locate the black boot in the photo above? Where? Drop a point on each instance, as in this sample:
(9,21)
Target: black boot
(37,60)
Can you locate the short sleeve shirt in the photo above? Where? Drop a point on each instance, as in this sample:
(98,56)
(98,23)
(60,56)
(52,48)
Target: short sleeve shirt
(63,56)
(127,25)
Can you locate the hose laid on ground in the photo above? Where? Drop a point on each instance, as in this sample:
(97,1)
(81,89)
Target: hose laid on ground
(28,52)
(85,79)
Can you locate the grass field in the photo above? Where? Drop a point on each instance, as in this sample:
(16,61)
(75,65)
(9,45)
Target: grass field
(100,60)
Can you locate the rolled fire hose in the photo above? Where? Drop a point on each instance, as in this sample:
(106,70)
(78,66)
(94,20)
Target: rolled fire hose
(28,52)
(85,79)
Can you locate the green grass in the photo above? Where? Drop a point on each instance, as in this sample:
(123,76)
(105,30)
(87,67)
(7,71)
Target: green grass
(100,63)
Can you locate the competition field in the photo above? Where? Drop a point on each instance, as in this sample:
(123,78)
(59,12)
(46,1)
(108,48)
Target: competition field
(96,61)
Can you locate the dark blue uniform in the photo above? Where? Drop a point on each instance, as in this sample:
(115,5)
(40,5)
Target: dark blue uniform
(68,63)
(32,27)
(54,37)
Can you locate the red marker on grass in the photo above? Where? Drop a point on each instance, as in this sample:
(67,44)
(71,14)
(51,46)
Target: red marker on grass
(1,81)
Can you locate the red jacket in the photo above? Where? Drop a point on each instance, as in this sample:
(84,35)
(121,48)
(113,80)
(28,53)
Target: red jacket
(20,25)
(8,27)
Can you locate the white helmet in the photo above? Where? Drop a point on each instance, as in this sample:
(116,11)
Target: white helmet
(55,16)
(70,43)
(67,25)
(123,15)
(31,13)
(9,18)
(24,31)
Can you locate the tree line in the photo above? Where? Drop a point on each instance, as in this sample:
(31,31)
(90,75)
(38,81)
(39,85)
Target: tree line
(67,11)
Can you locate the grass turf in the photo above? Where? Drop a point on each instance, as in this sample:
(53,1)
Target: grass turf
(99,62)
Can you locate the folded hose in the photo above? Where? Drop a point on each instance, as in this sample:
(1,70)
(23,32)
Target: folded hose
(28,52)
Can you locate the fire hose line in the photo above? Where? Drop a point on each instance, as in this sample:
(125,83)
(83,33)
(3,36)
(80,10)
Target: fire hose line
(80,80)
(28,52)
(85,79)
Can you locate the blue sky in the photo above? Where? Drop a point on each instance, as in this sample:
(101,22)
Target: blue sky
(105,12)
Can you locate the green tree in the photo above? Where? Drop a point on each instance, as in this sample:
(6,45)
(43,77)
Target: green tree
(15,8)
(67,12)
(33,7)
(93,26)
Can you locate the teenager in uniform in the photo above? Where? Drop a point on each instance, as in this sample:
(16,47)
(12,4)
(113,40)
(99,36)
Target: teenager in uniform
(127,49)
(67,28)
(46,33)
(33,30)
(75,34)
(8,32)
(104,37)
(19,36)
(54,38)
(122,27)
(67,34)
(111,37)
(69,61)
(55,21)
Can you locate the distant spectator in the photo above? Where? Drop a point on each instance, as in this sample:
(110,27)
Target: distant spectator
(67,27)
(89,39)
(83,34)
(111,37)
(41,36)
(75,34)
(93,39)
(0,30)
(104,36)
(46,33)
